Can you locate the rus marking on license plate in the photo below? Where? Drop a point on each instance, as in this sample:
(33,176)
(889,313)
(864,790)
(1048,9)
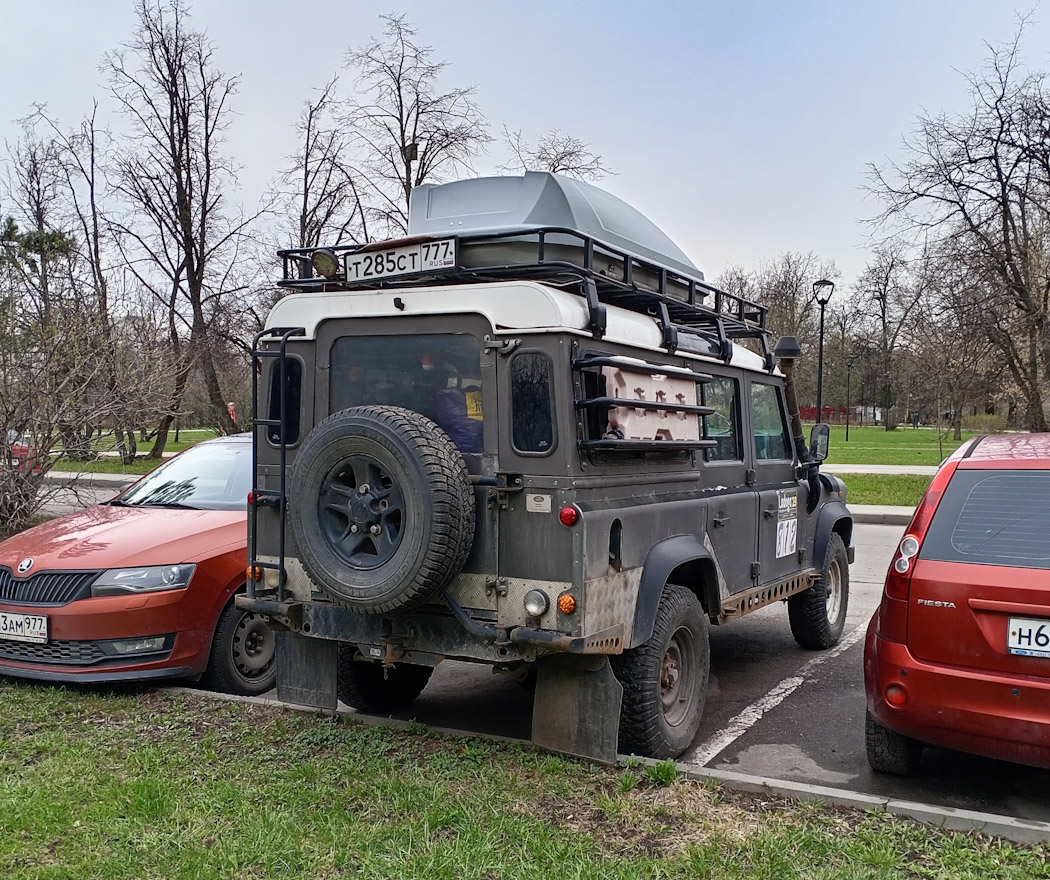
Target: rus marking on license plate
(23,627)
(424,256)
(1028,636)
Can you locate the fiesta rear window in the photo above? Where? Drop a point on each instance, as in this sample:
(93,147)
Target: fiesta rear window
(992,518)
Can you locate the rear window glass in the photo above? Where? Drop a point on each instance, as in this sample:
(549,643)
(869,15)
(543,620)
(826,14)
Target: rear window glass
(437,375)
(993,518)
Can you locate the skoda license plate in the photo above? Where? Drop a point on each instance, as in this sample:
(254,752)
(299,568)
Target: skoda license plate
(426,256)
(1029,636)
(23,627)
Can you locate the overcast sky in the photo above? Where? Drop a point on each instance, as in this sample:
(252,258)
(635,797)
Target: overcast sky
(742,128)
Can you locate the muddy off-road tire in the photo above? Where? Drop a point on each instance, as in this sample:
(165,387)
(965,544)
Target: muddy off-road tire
(381,508)
(665,680)
(818,615)
(242,654)
(889,751)
(368,687)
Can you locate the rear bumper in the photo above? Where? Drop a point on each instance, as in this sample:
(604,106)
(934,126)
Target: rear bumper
(993,715)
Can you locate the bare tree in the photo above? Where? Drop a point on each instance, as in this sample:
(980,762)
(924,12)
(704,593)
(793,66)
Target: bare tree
(407,129)
(132,384)
(887,294)
(977,186)
(54,361)
(784,286)
(180,238)
(320,188)
(555,151)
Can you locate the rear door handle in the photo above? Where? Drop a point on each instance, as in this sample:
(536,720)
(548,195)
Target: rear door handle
(720,520)
(770,512)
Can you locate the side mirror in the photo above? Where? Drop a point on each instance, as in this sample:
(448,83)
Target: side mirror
(819,438)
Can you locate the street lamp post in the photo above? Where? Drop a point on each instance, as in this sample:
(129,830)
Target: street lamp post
(850,360)
(822,291)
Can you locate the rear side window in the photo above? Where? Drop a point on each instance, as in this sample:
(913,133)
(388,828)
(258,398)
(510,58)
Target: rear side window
(530,402)
(992,518)
(293,385)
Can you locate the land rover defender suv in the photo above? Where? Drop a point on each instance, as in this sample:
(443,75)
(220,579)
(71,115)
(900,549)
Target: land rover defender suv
(531,435)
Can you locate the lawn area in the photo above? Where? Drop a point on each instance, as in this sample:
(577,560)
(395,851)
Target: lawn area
(904,446)
(895,489)
(142,783)
(107,464)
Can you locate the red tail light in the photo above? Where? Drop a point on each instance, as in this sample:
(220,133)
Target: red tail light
(893,612)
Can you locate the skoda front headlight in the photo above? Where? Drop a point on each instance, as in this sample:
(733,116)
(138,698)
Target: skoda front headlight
(150,579)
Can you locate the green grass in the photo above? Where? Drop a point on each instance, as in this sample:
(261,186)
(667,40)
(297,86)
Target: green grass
(896,489)
(139,783)
(904,446)
(141,465)
(104,466)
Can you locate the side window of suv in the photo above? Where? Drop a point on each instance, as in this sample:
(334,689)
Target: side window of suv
(771,437)
(532,420)
(723,425)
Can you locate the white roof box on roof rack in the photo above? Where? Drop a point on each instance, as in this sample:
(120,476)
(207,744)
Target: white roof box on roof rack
(541,199)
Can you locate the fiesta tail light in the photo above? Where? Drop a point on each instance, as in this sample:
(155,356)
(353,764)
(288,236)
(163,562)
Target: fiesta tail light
(893,611)
(898,580)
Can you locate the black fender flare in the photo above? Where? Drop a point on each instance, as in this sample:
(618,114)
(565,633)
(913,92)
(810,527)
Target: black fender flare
(828,520)
(663,558)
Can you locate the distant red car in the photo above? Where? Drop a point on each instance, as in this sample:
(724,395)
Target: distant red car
(20,456)
(141,587)
(958,653)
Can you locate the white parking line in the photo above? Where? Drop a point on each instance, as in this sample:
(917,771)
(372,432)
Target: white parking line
(747,718)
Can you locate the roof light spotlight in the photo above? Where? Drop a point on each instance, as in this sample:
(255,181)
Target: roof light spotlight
(536,603)
(325,262)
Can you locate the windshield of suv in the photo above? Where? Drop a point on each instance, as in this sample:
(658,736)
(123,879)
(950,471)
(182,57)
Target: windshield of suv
(211,476)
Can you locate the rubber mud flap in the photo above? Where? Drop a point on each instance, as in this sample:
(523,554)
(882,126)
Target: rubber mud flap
(306,671)
(577,707)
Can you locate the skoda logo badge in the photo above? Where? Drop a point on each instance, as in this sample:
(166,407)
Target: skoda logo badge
(25,565)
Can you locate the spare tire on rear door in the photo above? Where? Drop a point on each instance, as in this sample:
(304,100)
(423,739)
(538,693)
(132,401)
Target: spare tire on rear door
(381,508)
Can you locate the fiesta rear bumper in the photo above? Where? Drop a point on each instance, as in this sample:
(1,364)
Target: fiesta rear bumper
(990,714)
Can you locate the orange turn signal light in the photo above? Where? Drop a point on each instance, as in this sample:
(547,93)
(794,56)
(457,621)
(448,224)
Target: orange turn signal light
(254,572)
(566,603)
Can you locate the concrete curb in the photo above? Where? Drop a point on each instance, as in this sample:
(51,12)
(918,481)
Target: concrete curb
(949,818)
(991,824)
(889,516)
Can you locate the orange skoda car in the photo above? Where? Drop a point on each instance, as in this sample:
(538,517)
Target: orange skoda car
(142,586)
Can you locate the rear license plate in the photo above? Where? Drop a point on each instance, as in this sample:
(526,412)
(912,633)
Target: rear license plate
(23,627)
(390,262)
(1029,636)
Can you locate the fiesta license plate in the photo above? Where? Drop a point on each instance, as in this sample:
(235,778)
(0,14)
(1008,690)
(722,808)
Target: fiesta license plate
(1029,636)
(23,627)
(426,256)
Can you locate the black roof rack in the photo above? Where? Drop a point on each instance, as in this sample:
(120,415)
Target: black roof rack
(600,273)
